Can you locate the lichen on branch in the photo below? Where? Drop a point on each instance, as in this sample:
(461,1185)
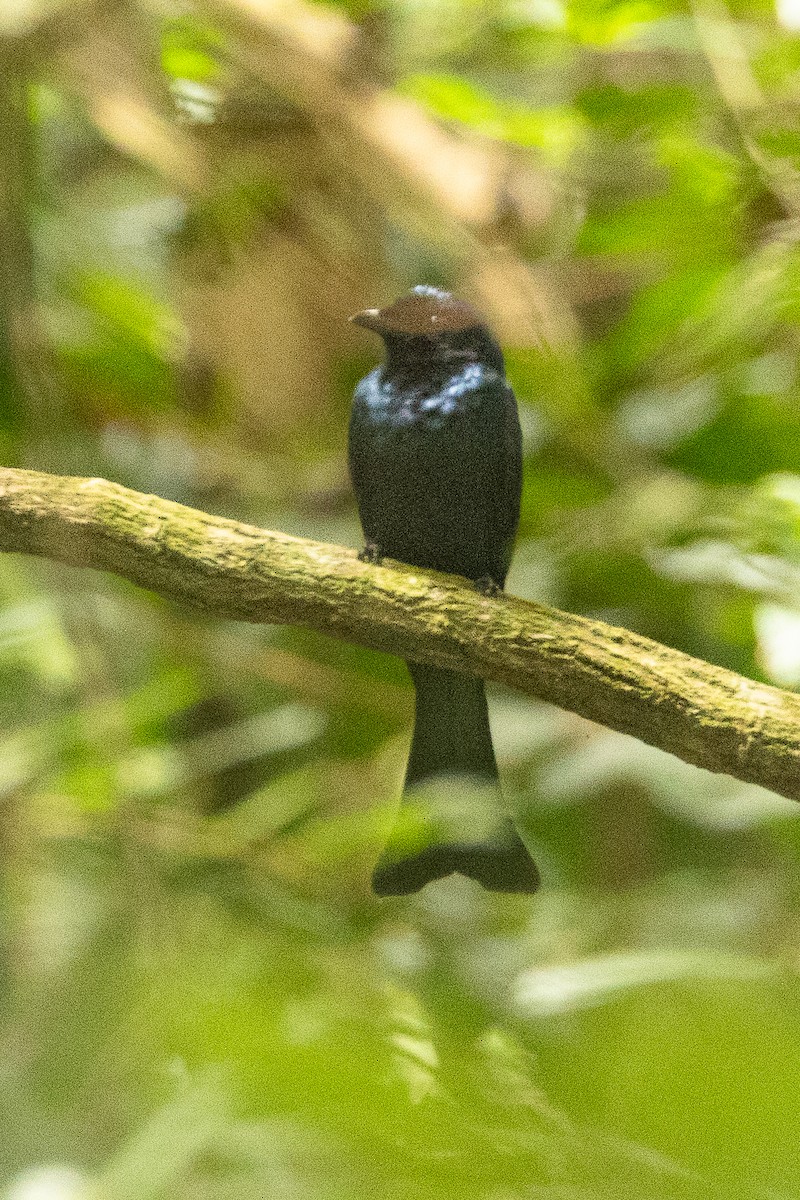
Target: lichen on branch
(704,714)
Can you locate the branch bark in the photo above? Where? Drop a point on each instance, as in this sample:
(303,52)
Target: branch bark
(704,714)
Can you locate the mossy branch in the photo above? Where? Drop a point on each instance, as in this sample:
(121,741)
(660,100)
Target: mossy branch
(701,713)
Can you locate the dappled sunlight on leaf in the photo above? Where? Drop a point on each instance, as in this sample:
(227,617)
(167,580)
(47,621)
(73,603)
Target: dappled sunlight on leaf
(551,990)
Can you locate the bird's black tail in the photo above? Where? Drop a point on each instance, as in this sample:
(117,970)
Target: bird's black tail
(452,817)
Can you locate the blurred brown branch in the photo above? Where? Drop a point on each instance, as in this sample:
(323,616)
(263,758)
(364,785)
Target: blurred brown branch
(704,714)
(448,190)
(451,191)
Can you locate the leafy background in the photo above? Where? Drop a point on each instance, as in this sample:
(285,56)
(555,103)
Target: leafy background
(199,995)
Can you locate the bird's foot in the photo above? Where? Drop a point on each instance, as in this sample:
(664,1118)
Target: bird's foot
(487,586)
(371,553)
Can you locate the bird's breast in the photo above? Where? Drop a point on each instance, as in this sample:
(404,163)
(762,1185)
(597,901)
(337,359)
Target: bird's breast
(396,405)
(429,464)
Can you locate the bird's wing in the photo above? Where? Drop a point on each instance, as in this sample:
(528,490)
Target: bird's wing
(503,480)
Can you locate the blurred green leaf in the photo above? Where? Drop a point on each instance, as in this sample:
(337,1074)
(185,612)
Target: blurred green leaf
(556,131)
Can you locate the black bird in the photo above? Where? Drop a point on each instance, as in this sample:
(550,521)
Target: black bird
(436,464)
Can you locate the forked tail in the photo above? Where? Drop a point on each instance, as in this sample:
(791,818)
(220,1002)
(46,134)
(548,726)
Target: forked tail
(452,817)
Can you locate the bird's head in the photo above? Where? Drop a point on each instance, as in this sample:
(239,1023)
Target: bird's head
(427,323)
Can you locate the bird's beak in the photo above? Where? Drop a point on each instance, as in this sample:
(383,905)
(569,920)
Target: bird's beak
(370,318)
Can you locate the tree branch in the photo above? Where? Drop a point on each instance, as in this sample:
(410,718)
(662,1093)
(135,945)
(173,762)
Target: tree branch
(703,714)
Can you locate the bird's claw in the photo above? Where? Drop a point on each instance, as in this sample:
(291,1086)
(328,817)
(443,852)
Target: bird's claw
(487,586)
(371,553)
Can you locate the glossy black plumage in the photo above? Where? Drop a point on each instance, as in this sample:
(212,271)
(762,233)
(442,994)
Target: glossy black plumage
(435,459)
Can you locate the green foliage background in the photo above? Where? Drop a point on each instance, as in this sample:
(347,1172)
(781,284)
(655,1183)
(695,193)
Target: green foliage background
(198,994)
